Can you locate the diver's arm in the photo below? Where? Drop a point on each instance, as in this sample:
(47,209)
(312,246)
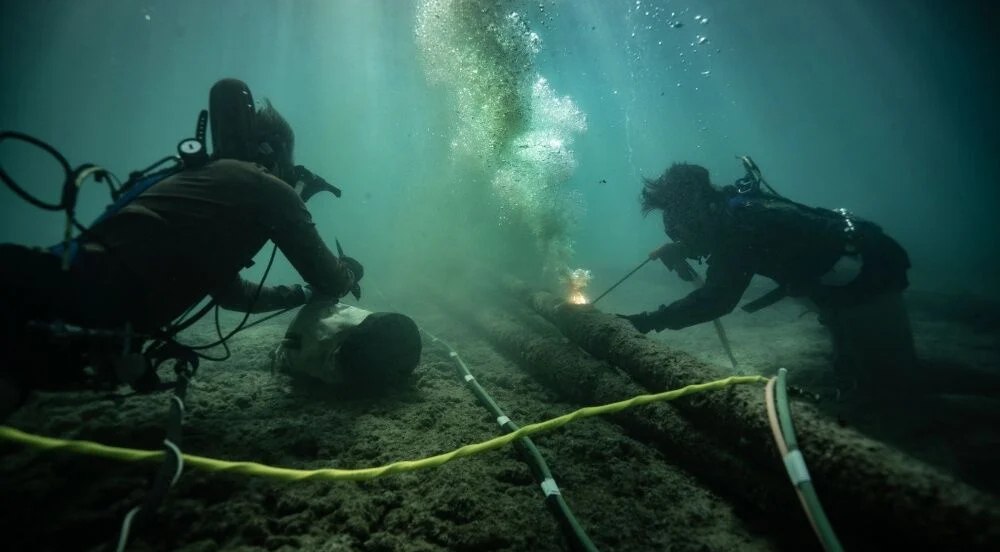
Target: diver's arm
(241,295)
(313,260)
(724,285)
(292,230)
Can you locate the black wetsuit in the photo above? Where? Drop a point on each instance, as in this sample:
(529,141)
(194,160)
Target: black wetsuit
(794,245)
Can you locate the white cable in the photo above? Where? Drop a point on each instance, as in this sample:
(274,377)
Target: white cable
(796,466)
(180,403)
(180,460)
(549,487)
(126,528)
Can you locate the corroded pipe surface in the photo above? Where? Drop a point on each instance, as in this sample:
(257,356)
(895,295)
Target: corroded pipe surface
(867,487)
(763,498)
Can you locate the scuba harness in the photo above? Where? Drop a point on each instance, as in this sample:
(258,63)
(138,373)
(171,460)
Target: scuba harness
(232,114)
(750,184)
(748,188)
(751,187)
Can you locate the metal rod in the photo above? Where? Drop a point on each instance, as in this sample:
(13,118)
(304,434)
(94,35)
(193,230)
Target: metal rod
(626,277)
(685,270)
(719,330)
(725,341)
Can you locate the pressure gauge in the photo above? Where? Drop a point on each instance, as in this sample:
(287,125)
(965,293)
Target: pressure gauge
(190,146)
(192,152)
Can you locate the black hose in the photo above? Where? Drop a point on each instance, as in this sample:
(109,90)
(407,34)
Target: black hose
(135,176)
(246,316)
(21,192)
(571,528)
(268,317)
(186,323)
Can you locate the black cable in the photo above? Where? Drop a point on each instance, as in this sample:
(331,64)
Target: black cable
(21,192)
(135,176)
(575,534)
(247,327)
(182,319)
(222,341)
(242,325)
(174,329)
(268,317)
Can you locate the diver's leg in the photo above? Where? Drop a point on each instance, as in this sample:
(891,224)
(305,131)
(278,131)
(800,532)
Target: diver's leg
(833,320)
(876,341)
(33,289)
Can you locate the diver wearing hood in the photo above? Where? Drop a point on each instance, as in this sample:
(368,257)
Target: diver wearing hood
(846,266)
(184,238)
(190,235)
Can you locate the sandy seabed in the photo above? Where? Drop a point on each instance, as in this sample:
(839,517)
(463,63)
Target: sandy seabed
(627,495)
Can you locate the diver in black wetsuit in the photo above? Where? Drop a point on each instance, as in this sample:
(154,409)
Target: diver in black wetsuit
(848,267)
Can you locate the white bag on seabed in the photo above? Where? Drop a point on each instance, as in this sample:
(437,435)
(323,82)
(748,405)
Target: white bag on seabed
(340,344)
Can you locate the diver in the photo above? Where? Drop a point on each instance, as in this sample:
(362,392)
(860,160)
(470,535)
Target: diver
(847,268)
(184,238)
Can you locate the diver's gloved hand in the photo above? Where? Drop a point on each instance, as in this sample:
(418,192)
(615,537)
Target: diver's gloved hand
(642,322)
(357,273)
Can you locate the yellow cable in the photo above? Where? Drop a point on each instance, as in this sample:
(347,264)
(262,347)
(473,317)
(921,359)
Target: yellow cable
(331,474)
